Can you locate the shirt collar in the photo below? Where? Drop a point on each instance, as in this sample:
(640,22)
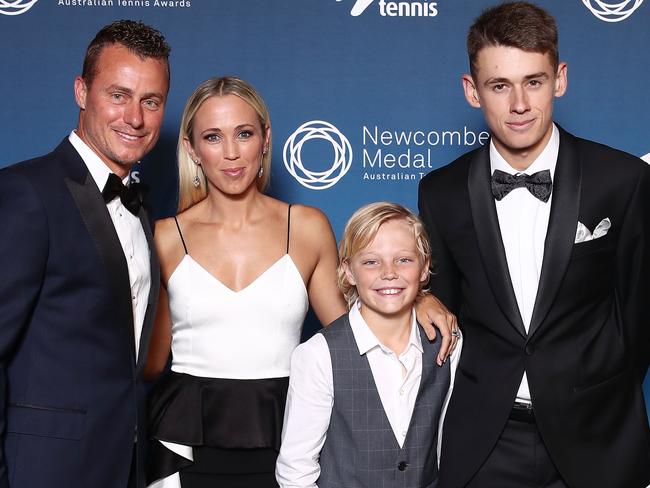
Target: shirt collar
(96,167)
(546,160)
(366,340)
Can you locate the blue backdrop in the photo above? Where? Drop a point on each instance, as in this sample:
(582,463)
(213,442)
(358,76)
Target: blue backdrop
(365,96)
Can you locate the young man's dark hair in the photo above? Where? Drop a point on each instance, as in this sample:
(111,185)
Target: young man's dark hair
(139,38)
(513,24)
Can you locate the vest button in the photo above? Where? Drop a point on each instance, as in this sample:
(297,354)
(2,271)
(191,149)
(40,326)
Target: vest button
(402,466)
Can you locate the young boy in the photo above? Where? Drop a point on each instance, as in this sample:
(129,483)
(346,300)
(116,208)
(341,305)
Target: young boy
(365,395)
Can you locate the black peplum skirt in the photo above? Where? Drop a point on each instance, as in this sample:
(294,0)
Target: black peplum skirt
(233,426)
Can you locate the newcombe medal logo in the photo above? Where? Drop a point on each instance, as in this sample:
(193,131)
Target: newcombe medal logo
(15,7)
(292,153)
(612,11)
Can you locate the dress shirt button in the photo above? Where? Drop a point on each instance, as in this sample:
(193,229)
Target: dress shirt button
(402,466)
(529,350)
(401,392)
(133,297)
(403,433)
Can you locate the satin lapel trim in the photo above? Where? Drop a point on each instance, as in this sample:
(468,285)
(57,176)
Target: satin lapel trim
(100,227)
(488,233)
(561,232)
(154,266)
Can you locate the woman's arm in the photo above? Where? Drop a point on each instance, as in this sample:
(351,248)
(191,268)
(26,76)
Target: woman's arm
(161,339)
(318,244)
(432,314)
(170,253)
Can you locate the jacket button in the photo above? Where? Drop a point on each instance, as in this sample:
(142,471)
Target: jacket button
(529,350)
(402,466)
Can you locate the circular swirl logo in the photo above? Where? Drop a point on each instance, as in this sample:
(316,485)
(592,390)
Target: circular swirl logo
(15,7)
(612,11)
(317,180)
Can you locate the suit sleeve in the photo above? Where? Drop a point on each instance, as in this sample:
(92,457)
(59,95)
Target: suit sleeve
(445,276)
(23,254)
(633,273)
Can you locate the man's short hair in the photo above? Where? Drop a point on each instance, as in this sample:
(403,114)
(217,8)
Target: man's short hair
(142,40)
(513,24)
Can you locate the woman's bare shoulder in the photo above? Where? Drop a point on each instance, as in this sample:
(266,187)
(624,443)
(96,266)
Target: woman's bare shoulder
(313,233)
(168,244)
(165,230)
(310,218)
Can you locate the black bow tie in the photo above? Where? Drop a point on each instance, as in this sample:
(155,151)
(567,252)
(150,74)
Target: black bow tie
(131,196)
(538,184)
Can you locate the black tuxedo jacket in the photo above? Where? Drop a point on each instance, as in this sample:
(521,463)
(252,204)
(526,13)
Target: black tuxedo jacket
(588,344)
(71,396)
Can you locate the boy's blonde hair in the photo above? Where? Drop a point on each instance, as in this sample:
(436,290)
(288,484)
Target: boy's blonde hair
(362,228)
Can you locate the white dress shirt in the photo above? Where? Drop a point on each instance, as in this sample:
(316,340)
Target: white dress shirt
(523,221)
(311,396)
(131,235)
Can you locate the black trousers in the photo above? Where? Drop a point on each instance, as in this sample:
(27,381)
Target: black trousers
(519,460)
(230,468)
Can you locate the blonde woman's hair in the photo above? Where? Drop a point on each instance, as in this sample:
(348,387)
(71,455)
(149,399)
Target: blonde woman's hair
(361,230)
(188,194)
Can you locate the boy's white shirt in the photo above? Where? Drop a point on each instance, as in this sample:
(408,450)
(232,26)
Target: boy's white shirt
(311,396)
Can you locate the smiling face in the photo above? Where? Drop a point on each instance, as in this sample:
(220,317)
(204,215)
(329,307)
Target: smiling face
(122,108)
(228,141)
(388,272)
(515,89)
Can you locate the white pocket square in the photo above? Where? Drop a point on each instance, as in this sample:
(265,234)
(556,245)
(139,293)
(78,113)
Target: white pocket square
(583,234)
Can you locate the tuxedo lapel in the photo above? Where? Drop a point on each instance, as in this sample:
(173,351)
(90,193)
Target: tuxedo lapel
(488,233)
(100,227)
(147,325)
(561,231)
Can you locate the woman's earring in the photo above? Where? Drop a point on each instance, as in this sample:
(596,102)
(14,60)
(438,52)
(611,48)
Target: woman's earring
(261,171)
(196,180)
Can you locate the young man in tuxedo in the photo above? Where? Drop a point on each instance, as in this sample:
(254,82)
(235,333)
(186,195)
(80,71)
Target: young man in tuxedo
(80,279)
(540,242)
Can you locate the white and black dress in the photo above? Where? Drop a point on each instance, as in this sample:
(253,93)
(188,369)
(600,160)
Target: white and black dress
(216,419)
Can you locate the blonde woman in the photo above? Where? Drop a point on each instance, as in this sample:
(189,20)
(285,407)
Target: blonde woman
(239,270)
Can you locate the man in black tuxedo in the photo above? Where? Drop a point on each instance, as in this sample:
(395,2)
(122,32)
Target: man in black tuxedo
(80,279)
(540,241)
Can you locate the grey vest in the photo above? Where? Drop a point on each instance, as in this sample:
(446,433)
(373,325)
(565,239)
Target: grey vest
(360,450)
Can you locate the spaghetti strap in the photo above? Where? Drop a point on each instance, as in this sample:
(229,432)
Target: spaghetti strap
(180,234)
(288,226)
